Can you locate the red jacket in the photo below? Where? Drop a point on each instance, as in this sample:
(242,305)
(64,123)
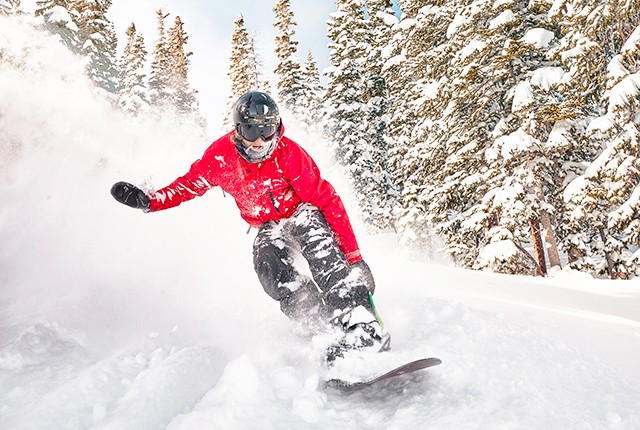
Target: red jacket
(266,191)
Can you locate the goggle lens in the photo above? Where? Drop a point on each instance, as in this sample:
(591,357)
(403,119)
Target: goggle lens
(253,132)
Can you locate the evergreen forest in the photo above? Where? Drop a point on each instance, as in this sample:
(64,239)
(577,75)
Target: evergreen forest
(503,133)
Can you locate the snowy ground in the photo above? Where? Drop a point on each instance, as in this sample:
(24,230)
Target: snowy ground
(113,319)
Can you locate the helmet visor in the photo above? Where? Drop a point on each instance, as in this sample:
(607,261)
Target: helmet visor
(252,131)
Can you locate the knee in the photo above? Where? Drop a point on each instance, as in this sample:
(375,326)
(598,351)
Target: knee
(274,269)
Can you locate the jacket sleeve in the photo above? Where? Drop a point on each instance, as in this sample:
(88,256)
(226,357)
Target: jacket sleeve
(195,182)
(304,176)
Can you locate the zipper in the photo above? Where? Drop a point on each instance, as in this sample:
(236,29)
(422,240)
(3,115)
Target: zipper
(273,202)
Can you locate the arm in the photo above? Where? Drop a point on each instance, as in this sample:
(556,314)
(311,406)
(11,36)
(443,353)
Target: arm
(304,176)
(194,183)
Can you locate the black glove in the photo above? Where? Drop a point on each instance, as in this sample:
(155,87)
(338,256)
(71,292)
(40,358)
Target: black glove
(130,195)
(364,275)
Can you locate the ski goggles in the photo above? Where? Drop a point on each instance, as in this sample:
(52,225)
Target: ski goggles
(252,131)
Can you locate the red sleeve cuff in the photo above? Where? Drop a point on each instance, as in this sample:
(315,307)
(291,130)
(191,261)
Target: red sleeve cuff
(353,256)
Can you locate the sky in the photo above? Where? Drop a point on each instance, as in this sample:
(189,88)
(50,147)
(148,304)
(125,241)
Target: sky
(210,25)
(113,319)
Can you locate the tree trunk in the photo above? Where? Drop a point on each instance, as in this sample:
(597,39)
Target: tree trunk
(574,254)
(549,234)
(538,247)
(550,239)
(607,256)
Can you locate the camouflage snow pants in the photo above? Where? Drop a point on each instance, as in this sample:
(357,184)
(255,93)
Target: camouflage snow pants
(333,291)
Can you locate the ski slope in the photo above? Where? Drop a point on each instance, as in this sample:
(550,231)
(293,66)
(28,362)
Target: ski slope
(115,319)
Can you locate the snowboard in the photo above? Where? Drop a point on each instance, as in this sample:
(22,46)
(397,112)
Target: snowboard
(413,366)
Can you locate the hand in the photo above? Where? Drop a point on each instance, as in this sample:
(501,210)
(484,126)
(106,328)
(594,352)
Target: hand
(364,275)
(130,195)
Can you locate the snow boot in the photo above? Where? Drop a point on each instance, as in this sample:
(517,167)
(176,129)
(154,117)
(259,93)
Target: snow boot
(362,331)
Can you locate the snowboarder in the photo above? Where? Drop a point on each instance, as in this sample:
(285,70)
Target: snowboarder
(279,190)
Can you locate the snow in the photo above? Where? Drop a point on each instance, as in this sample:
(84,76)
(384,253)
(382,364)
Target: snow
(499,3)
(505,17)
(389,19)
(538,37)
(616,69)
(560,6)
(511,144)
(546,77)
(559,136)
(624,91)
(632,43)
(583,44)
(523,96)
(600,125)
(397,60)
(115,319)
(499,250)
(406,24)
(627,209)
(430,90)
(472,47)
(458,21)
(60,15)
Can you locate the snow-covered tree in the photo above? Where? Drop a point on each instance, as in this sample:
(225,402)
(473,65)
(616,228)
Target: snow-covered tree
(132,89)
(98,41)
(160,74)
(241,70)
(478,59)
(396,77)
(311,102)
(244,66)
(417,63)
(255,64)
(8,7)
(346,104)
(526,153)
(383,194)
(182,95)
(605,200)
(468,105)
(290,83)
(58,19)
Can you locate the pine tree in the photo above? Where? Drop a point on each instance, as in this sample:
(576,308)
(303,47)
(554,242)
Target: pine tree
(290,80)
(255,65)
(98,41)
(312,93)
(160,74)
(58,20)
(183,97)
(9,7)
(382,193)
(594,32)
(132,90)
(457,131)
(416,72)
(526,153)
(244,65)
(481,195)
(346,103)
(604,201)
(396,78)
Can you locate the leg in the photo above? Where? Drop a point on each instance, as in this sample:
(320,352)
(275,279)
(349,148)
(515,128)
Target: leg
(273,262)
(328,265)
(345,293)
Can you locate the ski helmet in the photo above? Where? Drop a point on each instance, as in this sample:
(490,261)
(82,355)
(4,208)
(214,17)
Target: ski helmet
(256,116)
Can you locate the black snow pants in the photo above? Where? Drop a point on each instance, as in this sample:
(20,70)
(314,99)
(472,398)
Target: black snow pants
(332,291)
